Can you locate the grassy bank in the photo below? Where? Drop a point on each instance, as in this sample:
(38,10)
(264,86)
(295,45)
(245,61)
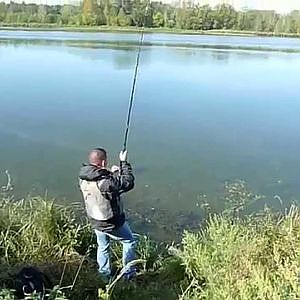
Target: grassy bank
(54,27)
(231,257)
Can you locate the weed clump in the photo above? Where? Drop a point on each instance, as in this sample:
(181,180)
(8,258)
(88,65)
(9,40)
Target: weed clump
(232,256)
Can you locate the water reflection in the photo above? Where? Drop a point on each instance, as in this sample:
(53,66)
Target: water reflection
(126,41)
(202,116)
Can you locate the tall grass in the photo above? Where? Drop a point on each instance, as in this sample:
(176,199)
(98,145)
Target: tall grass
(254,259)
(232,257)
(37,230)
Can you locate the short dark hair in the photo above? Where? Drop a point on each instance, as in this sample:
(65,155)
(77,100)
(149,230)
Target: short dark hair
(100,153)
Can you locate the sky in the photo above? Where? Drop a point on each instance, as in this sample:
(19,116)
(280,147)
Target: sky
(281,6)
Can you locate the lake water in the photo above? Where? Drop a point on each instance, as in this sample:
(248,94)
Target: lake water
(208,110)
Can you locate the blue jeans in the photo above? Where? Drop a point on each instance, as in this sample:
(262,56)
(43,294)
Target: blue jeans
(122,234)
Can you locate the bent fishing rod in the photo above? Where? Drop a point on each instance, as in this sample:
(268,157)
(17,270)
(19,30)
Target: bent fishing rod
(133,87)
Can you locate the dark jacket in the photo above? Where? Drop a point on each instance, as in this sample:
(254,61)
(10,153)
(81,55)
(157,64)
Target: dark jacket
(102,191)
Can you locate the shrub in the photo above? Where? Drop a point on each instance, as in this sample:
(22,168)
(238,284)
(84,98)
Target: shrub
(236,260)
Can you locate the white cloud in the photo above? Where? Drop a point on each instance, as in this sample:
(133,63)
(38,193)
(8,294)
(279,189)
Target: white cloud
(282,6)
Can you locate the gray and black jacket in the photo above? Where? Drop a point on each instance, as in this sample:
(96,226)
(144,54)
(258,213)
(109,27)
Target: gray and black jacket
(101,190)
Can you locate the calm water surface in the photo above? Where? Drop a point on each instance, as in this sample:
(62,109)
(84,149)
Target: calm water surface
(208,110)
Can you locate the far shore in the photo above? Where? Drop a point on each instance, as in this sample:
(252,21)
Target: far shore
(51,27)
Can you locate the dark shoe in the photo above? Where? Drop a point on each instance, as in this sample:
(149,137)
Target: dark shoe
(129,275)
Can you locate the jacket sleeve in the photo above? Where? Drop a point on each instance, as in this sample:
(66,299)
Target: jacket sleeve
(126,178)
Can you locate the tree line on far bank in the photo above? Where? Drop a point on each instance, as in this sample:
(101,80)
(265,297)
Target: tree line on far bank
(125,13)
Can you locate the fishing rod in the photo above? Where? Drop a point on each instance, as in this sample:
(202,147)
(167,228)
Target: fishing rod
(133,87)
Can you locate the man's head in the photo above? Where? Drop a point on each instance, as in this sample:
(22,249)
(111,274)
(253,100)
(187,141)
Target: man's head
(98,157)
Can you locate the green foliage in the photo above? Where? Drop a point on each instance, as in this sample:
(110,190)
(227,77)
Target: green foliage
(231,257)
(141,13)
(241,260)
(149,251)
(158,19)
(55,294)
(6,295)
(124,20)
(150,14)
(67,15)
(37,230)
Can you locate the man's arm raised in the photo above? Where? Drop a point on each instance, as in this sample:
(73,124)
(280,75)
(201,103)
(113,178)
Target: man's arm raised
(125,178)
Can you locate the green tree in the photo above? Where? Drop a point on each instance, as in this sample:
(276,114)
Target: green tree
(2,11)
(225,16)
(51,18)
(181,17)
(295,22)
(281,26)
(241,23)
(141,13)
(111,11)
(42,14)
(127,6)
(154,14)
(100,19)
(206,16)
(158,19)
(170,19)
(66,14)
(123,19)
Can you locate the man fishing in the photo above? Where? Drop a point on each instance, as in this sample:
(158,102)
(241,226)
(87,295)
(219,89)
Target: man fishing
(101,190)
